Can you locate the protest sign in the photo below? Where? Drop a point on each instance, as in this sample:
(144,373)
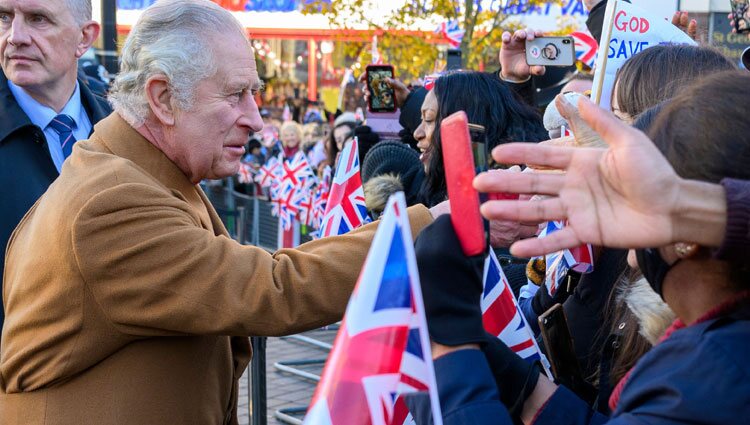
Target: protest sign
(628,30)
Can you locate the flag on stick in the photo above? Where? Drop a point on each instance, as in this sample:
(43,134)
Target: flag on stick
(345,209)
(382,347)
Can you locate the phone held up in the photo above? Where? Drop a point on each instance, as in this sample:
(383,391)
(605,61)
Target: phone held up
(381,94)
(551,51)
(741,15)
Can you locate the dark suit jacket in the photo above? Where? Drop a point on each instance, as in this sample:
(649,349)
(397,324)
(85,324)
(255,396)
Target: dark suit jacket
(26,167)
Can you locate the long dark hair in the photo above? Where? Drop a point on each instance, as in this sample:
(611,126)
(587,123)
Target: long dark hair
(487,101)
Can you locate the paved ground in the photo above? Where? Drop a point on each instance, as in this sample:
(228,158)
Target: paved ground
(286,390)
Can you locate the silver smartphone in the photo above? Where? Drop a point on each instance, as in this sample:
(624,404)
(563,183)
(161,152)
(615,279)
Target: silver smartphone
(551,51)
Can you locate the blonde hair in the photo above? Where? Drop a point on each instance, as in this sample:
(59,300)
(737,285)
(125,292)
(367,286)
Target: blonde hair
(293,125)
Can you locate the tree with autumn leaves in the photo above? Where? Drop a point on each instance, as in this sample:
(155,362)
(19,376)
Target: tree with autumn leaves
(415,52)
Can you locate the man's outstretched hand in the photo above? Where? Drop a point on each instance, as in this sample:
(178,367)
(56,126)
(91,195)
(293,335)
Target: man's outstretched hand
(626,195)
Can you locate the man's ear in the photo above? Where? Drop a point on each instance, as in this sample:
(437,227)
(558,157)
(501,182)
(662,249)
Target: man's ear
(89,33)
(159,98)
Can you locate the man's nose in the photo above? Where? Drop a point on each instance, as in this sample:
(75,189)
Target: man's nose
(251,115)
(19,33)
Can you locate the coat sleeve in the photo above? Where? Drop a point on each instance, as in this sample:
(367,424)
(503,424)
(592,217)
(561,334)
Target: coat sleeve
(736,244)
(153,270)
(467,391)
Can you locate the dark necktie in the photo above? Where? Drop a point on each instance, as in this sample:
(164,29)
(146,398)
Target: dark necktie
(63,126)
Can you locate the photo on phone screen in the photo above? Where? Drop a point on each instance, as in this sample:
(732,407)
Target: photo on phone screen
(551,51)
(381,94)
(741,15)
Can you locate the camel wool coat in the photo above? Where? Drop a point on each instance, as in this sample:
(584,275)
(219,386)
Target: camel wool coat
(127,303)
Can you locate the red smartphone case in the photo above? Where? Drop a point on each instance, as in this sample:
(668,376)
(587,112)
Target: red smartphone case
(459,173)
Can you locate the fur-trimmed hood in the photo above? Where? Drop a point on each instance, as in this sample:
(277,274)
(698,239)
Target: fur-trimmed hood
(653,314)
(378,189)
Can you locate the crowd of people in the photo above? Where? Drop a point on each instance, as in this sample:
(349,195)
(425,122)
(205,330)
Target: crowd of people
(125,301)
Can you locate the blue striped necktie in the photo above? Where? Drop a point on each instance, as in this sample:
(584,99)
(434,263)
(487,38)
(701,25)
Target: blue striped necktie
(63,126)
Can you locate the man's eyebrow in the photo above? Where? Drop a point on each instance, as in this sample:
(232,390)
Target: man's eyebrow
(36,11)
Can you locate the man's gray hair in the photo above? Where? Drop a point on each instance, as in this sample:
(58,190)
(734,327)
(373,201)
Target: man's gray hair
(81,10)
(172,38)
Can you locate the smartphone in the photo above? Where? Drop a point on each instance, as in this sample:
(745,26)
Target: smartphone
(453,60)
(478,137)
(381,94)
(559,345)
(460,170)
(551,51)
(741,15)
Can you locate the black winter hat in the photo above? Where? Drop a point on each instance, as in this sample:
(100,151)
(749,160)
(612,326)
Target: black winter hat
(397,158)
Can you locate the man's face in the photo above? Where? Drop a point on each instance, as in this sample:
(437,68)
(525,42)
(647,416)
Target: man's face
(40,42)
(208,141)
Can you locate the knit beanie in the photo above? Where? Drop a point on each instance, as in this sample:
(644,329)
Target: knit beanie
(391,157)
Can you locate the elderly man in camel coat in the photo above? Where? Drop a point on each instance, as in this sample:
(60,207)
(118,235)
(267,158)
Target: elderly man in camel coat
(126,301)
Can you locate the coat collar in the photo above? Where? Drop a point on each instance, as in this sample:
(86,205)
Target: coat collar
(14,118)
(124,141)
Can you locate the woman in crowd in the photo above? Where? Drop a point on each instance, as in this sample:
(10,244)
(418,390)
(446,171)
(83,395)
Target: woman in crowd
(660,72)
(291,137)
(648,78)
(488,102)
(698,372)
(343,130)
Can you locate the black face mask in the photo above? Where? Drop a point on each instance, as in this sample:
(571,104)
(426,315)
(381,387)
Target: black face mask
(653,267)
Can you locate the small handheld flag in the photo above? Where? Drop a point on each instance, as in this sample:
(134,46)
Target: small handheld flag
(382,348)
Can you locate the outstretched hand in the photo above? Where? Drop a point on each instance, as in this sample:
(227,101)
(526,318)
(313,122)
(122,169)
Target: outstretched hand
(513,56)
(621,196)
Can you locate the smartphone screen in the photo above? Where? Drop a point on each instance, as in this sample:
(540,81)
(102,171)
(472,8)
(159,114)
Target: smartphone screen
(741,15)
(381,94)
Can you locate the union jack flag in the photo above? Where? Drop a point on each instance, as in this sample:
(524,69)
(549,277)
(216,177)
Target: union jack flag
(246,173)
(268,173)
(383,330)
(306,204)
(345,209)
(580,259)
(586,47)
(451,31)
(297,171)
(502,317)
(284,203)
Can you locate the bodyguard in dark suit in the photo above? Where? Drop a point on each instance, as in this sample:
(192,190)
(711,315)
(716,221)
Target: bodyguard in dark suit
(44,107)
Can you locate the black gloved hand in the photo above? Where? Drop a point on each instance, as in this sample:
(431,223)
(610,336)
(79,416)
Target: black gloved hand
(451,285)
(515,377)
